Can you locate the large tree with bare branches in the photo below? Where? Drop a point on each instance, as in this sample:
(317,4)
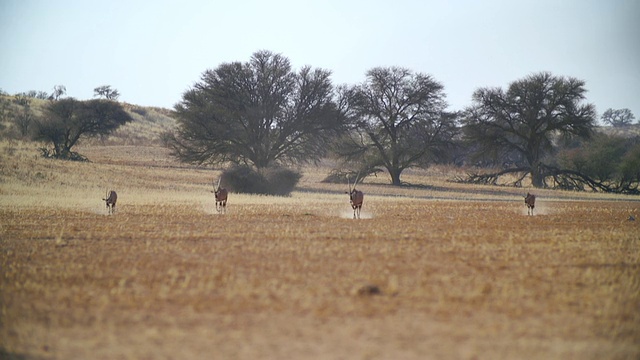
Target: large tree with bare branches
(530,118)
(398,121)
(258,113)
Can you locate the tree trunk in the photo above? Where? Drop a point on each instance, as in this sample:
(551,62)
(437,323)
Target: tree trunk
(537,180)
(395,176)
(57,150)
(65,153)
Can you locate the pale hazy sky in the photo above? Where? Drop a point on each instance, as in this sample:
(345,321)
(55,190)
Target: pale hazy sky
(152,51)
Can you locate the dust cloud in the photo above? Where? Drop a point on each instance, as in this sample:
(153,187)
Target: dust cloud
(348,214)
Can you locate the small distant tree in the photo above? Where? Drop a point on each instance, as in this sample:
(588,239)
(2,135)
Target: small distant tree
(58,91)
(618,118)
(24,116)
(106,92)
(34,94)
(68,120)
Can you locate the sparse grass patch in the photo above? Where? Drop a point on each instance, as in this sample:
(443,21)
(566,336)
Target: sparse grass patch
(438,270)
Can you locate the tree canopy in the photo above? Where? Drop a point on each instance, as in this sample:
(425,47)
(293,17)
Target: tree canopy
(530,118)
(398,121)
(258,113)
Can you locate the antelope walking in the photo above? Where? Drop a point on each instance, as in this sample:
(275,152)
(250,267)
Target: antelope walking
(530,201)
(110,200)
(221,197)
(356,198)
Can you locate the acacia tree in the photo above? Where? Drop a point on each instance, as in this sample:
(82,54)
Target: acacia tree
(58,92)
(106,92)
(256,113)
(618,118)
(398,121)
(529,119)
(67,120)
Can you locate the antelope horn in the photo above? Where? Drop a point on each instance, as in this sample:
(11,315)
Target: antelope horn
(219,180)
(357,177)
(348,183)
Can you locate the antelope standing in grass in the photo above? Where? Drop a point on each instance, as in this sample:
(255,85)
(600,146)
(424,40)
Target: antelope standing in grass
(356,198)
(110,200)
(530,201)
(221,197)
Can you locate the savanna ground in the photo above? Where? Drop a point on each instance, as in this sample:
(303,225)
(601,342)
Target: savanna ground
(434,271)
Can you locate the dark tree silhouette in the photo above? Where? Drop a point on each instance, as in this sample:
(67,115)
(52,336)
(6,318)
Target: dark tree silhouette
(617,118)
(258,113)
(58,92)
(68,120)
(398,121)
(527,119)
(106,92)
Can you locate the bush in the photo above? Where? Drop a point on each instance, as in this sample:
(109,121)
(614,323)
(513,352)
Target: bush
(281,181)
(271,181)
(243,179)
(612,162)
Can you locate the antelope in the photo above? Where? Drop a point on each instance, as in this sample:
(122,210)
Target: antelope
(221,197)
(110,200)
(530,201)
(355,198)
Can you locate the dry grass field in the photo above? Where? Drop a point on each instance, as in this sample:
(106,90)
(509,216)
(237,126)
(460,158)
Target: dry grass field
(434,271)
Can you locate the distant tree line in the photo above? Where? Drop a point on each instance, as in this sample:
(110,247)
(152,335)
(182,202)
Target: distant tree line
(258,117)
(262,113)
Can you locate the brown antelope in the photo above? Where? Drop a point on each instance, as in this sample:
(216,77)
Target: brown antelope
(356,198)
(110,200)
(221,197)
(530,201)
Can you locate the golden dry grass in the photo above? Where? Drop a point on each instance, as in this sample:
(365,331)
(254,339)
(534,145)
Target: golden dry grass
(462,272)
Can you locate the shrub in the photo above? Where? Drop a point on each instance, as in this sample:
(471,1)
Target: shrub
(243,179)
(271,181)
(281,181)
